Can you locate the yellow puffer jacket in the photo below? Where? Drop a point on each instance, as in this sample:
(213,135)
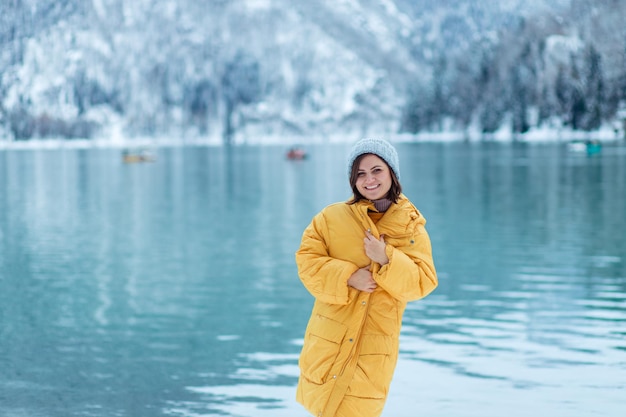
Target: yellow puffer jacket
(351,341)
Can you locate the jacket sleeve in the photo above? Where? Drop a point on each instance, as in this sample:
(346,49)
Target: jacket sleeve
(410,273)
(326,278)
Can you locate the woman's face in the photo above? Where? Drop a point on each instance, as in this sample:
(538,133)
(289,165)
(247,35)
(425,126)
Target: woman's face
(373,178)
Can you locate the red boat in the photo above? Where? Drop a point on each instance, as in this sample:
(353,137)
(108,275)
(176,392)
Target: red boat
(296,154)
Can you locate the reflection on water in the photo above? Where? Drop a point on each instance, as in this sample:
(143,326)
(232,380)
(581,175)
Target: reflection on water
(169,289)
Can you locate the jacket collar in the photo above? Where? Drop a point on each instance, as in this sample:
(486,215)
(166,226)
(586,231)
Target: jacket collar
(397,219)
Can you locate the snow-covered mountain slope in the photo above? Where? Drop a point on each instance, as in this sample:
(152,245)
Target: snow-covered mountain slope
(242,68)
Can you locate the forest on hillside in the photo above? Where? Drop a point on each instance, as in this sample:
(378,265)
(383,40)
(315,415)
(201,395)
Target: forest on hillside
(566,70)
(103,68)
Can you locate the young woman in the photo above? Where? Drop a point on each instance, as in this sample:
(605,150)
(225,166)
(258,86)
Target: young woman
(362,260)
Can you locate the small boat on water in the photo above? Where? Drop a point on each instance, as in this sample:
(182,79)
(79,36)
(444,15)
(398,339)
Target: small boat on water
(296,153)
(591,147)
(142,155)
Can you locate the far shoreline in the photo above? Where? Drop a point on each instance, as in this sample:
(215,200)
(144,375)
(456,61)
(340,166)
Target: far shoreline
(532,136)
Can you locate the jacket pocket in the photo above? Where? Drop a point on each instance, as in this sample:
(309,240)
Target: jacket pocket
(400,240)
(321,347)
(377,361)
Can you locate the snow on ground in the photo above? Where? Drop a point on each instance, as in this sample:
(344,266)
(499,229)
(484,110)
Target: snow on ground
(607,133)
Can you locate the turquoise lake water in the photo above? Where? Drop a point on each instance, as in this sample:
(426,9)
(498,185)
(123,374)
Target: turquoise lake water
(170,289)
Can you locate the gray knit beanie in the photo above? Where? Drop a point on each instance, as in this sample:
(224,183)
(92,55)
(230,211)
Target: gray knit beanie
(378,147)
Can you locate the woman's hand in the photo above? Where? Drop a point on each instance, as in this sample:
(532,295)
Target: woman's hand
(362,280)
(375,248)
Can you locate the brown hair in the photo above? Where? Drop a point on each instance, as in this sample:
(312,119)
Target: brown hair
(394,192)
